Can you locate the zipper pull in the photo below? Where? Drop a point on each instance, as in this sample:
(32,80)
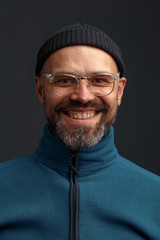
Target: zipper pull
(73,162)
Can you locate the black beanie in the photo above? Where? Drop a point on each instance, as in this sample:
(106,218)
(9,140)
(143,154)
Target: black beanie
(79,34)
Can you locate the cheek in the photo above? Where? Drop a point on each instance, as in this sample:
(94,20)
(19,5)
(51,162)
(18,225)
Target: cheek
(110,100)
(49,96)
(50,105)
(49,102)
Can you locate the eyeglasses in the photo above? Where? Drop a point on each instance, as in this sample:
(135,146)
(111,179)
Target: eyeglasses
(100,84)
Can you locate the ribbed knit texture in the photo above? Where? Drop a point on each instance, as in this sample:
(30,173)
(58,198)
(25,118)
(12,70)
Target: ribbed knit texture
(79,34)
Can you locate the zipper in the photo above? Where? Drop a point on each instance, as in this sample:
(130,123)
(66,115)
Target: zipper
(74,197)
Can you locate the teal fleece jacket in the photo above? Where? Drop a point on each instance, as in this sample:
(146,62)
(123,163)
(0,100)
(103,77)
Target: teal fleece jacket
(118,200)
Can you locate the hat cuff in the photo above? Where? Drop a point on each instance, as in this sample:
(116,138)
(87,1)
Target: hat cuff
(80,36)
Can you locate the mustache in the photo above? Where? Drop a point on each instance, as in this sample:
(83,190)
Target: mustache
(69,104)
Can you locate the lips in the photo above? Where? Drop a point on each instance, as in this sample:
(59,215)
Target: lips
(81,115)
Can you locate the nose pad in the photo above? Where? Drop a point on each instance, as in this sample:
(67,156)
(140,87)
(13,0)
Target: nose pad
(83,92)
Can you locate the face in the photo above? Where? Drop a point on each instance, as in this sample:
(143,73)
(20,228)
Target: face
(82,119)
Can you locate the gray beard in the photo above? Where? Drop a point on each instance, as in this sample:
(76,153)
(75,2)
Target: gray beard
(80,137)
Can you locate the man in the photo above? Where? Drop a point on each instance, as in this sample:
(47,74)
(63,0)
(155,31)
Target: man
(76,186)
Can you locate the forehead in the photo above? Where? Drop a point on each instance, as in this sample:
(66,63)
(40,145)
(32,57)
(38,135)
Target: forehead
(80,58)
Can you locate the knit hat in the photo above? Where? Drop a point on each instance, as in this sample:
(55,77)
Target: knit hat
(79,34)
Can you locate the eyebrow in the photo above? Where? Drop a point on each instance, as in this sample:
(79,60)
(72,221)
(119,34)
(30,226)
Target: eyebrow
(77,74)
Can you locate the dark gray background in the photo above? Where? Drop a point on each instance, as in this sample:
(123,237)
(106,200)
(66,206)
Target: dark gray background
(134,25)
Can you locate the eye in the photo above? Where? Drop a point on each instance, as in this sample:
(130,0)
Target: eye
(102,80)
(99,80)
(64,81)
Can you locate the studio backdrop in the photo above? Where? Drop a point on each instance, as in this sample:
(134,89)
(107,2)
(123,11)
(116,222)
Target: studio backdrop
(134,25)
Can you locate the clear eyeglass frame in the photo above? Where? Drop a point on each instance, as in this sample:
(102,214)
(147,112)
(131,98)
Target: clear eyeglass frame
(52,77)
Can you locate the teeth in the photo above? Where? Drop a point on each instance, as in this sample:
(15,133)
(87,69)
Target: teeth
(81,115)
(84,115)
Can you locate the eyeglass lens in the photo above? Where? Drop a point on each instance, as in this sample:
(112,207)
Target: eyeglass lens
(100,85)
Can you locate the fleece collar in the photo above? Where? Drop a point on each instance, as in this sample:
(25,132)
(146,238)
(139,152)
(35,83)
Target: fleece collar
(55,154)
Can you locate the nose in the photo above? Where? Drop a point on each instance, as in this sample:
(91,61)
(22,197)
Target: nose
(83,93)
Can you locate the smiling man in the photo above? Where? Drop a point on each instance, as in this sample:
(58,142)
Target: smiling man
(80,109)
(75,185)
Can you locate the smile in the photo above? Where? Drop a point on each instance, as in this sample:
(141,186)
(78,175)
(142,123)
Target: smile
(81,115)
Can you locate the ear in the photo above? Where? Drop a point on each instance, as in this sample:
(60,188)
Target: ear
(121,86)
(39,89)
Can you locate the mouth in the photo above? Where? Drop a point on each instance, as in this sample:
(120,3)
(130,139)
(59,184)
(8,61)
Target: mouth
(81,115)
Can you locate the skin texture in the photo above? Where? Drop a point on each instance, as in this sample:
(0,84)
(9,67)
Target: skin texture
(80,61)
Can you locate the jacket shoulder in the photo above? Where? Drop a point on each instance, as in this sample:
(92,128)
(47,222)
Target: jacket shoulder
(135,171)
(18,162)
